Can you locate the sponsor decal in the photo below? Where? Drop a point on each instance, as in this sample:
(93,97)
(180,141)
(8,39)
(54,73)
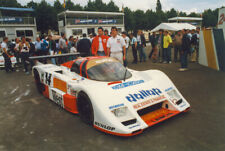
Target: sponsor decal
(57,98)
(134,126)
(85,21)
(184,104)
(105,21)
(127,84)
(48,78)
(148,102)
(11,19)
(168,89)
(116,106)
(143,94)
(95,21)
(73,92)
(105,126)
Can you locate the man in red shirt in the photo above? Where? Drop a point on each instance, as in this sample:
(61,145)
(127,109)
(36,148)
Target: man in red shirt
(99,44)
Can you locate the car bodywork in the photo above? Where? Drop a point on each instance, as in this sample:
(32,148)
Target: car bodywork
(2,61)
(123,107)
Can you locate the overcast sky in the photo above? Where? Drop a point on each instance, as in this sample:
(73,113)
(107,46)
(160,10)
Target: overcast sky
(183,5)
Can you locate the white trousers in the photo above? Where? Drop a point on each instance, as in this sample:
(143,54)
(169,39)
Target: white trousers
(118,56)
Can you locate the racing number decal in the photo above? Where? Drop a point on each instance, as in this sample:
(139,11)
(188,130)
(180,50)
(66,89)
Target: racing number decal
(48,78)
(57,98)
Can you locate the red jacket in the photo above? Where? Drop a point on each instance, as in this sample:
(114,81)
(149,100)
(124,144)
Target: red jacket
(95,44)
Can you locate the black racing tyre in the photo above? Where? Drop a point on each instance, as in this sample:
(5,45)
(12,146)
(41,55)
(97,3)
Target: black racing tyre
(40,86)
(85,109)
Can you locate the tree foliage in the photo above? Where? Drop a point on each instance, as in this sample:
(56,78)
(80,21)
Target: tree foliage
(158,6)
(9,3)
(210,18)
(46,14)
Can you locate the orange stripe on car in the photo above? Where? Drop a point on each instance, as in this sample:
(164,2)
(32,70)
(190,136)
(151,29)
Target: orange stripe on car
(115,82)
(59,84)
(70,103)
(46,91)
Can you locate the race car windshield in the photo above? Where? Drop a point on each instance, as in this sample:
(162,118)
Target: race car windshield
(108,71)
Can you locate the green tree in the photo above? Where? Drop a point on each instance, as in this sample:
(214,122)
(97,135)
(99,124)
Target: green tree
(58,7)
(9,3)
(111,7)
(158,6)
(90,6)
(182,14)
(210,18)
(140,20)
(151,19)
(129,19)
(69,5)
(193,14)
(32,4)
(45,17)
(172,13)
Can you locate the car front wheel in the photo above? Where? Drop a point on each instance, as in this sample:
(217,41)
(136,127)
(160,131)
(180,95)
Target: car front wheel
(85,109)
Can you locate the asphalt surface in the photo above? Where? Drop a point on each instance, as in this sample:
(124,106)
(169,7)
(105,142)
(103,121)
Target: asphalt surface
(30,122)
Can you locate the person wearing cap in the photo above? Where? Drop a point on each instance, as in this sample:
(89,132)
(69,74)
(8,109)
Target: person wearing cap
(99,44)
(116,46)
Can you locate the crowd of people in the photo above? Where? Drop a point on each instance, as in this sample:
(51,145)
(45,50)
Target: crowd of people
(184,43)
(114,45)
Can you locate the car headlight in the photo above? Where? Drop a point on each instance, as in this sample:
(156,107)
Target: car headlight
(173,94)
(120,112)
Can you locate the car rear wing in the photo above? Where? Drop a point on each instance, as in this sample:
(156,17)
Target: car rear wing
(54,56)
(37,60)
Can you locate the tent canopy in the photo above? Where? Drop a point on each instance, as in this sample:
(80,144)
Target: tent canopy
(173,26)
(17,9)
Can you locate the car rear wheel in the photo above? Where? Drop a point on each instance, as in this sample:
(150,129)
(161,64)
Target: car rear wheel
(85,108)
(40,86)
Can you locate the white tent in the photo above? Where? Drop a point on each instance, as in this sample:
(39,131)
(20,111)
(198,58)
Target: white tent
(173,26)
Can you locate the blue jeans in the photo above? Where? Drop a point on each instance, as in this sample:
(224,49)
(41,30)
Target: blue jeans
(183,59)
(142,54)
(167,54)
(125,61)
(101,53)
(52,59)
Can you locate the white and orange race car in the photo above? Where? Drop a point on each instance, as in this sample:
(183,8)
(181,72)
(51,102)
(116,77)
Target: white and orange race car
(108,96)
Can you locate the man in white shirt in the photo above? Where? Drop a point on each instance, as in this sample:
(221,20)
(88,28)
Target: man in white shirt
(116,46)
(4,47)
(127,41)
